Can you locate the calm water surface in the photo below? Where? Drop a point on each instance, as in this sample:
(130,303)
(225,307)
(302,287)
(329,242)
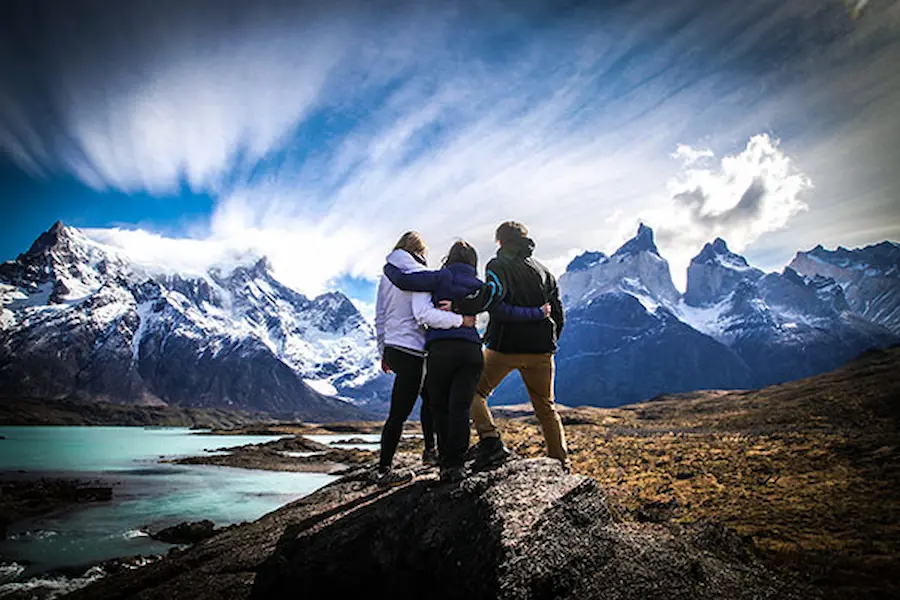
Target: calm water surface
(145,491)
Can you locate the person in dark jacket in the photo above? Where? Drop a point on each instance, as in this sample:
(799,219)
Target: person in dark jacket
(513,276)
(454,356)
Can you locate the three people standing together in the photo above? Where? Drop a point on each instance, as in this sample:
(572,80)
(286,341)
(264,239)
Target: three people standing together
(526,318)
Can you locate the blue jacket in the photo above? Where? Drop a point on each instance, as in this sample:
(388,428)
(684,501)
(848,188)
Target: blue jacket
(454,282)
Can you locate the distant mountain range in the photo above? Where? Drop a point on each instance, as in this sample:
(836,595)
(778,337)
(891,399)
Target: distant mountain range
(630,335)
(80,321)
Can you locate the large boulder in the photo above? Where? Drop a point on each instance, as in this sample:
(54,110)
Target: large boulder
(524,530)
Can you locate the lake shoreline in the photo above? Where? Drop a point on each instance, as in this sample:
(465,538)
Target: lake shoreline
(26,496)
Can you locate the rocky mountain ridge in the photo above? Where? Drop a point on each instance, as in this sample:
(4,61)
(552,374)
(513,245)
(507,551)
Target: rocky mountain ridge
(630,335)
(80,321)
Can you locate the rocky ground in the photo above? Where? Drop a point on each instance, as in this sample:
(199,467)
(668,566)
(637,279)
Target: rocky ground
(21,499)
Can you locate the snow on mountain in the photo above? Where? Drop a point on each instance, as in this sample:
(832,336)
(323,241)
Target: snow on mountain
(636,268)
(869,277)
(79,320)
(630,335)
(714,272)
(783,325)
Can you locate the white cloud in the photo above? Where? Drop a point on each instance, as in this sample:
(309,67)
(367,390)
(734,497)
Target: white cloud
(744,196)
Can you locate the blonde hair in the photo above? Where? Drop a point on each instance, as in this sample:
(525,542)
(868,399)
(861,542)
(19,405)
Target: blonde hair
(412,242)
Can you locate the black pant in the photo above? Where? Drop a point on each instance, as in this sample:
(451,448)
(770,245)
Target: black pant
(407,370)
(426,418)
(454,367)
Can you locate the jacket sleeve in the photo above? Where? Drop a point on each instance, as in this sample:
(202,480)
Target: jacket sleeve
(490,295)
(427,315)
(380,315)
(556,308)
(414,281)
(509,312)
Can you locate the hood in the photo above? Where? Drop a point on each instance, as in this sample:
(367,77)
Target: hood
(522,248)
(404,261)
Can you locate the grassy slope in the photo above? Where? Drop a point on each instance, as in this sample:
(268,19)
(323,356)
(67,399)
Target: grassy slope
(810,469)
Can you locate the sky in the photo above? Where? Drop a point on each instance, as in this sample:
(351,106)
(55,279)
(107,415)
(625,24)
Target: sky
(190,133)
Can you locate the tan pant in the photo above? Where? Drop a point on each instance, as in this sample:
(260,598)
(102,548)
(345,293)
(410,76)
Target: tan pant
(537,372)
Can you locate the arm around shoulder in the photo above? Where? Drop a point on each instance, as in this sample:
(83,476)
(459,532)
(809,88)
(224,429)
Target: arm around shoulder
(412,281)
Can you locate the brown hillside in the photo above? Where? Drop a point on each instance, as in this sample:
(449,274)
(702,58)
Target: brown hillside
(808,469)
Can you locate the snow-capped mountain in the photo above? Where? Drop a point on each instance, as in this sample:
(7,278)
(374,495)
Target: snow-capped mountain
(636,268)
(783,325)
(624,341)
(869,277)
(715,272)
(80,320)
(630,335)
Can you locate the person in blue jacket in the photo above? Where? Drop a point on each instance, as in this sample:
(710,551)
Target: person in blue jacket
(455,360)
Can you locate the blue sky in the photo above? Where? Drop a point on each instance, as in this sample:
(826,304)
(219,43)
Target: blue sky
(318,135)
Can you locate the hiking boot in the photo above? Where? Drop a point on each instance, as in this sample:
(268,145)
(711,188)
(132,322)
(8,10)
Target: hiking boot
(452,474)
(393,478)
(491,453)
(430,457)
(472,452)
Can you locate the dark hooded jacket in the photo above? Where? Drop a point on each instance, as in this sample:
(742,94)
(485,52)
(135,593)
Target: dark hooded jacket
(516,278)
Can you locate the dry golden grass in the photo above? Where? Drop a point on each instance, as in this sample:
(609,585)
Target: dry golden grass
(808,469)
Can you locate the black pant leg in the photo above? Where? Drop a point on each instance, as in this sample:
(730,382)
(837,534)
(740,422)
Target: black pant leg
(469,364)
(427,418)
(407,384)
(440,373)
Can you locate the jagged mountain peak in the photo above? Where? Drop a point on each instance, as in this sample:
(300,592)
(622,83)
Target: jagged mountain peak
(886,253)
(635,269)
(586,260)
(641,242)
(58,235)
(716,272)
(717,253)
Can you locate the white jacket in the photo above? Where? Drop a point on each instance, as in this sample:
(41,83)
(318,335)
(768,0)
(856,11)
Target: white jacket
(401,317)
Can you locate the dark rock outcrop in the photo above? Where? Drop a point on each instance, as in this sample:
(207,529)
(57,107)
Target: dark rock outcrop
(29,498)
(186,533)
(525,530)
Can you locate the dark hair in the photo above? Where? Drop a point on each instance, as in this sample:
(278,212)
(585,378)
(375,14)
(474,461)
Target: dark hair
(510,231)
(462,252)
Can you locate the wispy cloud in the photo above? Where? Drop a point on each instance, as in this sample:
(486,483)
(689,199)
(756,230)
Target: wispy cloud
(327,133)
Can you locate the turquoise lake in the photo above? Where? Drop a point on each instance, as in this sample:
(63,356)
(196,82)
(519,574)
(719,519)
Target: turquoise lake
(146,492)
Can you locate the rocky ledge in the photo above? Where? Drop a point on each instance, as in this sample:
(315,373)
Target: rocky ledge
(296,454)
(524,530)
